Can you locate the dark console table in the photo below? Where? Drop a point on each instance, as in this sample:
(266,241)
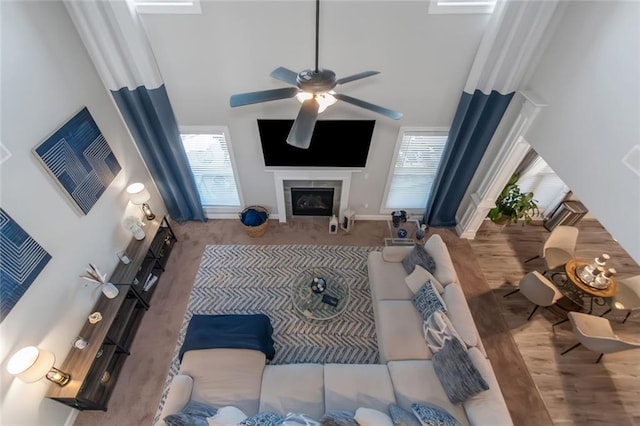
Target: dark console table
(95,369)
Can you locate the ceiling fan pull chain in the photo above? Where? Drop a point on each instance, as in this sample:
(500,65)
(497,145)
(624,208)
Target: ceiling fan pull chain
(317,31)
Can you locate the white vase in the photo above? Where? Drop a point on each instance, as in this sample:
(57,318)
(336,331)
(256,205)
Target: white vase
(109,290)
(138,233)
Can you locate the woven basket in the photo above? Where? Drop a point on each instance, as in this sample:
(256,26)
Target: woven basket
(256,231)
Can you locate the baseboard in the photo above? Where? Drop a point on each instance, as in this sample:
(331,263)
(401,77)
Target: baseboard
(71,419)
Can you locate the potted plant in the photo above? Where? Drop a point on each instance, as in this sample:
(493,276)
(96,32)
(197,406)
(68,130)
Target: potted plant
(513,205)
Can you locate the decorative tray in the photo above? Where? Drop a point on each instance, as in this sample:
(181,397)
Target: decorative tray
(588,279)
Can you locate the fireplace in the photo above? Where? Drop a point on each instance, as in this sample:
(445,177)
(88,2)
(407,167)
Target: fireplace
(312,201)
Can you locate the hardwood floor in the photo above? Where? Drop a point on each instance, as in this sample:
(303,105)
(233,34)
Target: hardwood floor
(575,390)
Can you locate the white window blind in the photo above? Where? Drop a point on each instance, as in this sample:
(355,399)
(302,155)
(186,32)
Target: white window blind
(210,160)
(416,164)
(548,189)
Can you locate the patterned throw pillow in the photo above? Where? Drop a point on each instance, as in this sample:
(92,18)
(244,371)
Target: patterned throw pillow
(430,415)
(437,329)
(427,300)
(299,419)
(459,377)
(402,417)
(263,419)
(418,277)
(338,418)
(193,414)
(418,256)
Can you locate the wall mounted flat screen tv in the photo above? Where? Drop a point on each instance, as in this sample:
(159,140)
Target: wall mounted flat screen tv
(335,143)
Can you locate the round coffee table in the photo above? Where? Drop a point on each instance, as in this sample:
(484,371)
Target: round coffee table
(320,306)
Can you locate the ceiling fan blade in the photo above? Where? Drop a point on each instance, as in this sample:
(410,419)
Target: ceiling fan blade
(286,75)
(263,96)
(302,129)
(357,76)
(375,108)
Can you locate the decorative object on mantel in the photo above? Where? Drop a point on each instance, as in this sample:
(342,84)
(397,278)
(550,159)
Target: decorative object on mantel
(139,195)
(78,156)
(31,364)
(134,224)
(21,261)
(93,274)
(95,318)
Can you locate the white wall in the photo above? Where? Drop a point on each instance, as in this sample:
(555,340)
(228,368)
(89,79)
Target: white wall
(47,77)
(589,76)
(233,46)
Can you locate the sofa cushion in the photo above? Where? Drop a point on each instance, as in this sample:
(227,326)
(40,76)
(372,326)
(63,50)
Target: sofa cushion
(460,315)
(437,328)
(402,417)
(444,272)
(416,381)
(488,407)
(400,333)
(395,253)
(225,377)
(386,279)
(418,256)
(458,375)
(432,415)
(418,277)
(366,416)
(290,387)
(179,395)
(427,300)
(351,386)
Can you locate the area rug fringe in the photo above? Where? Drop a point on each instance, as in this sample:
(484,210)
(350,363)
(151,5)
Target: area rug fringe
(251,279)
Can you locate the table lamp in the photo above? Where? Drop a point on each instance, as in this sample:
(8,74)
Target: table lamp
(31,364)
(139,195)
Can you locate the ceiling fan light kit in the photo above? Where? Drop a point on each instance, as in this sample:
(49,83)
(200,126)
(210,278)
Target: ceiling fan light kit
(314,89)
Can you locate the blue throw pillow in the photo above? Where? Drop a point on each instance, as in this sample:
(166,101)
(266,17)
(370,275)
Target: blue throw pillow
(266,418)
(418,256)
(427,300)
(193,414)
(402,417)
(253,217)
(459,377)
(433,416)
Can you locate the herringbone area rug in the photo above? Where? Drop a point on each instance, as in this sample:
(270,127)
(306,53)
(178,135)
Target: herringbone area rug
(251,279)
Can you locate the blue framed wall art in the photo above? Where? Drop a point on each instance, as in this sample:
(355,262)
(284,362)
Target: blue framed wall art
(79,157)
(21,260)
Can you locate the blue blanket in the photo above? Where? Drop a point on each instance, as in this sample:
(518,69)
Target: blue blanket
(229,331)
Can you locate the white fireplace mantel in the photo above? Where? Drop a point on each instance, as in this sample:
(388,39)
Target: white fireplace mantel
(280,176)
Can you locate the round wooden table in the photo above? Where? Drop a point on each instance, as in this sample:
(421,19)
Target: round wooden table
(576,290)
(570,270)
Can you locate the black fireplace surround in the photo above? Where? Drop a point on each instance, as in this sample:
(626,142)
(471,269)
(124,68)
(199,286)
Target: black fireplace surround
(312,201)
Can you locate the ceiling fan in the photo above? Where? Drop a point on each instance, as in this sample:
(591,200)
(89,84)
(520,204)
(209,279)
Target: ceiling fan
(314,88)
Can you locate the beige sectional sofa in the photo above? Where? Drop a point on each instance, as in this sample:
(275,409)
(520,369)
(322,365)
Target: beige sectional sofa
(239,377)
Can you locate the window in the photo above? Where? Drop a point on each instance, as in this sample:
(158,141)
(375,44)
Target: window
(417,158)
(548,189)
(212,164)
(461,6)
(167,6)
